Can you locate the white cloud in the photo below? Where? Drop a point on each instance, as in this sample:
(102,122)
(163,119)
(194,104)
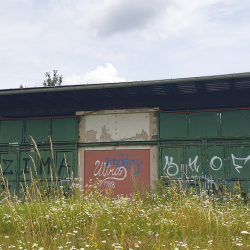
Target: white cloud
(99,75)
(145,39)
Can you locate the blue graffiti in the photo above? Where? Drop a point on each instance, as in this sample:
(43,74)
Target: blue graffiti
(124,160)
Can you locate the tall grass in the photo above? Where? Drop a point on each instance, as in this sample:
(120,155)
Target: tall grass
(45,217)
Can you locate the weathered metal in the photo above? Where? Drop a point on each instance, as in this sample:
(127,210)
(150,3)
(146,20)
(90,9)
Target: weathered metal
(20,161)
(213,147)
(118,169)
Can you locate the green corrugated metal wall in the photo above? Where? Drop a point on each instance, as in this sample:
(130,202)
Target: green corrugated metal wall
(213,147)
(17,150)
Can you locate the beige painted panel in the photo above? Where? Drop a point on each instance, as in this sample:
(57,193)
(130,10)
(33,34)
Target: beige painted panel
(118,125)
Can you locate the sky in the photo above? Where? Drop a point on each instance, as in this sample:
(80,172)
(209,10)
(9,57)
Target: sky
(106,41)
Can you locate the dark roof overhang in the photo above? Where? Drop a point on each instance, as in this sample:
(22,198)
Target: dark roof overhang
(221,91)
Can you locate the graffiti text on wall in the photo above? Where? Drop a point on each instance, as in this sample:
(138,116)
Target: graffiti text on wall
(115,168)
(172,169)
(8,166)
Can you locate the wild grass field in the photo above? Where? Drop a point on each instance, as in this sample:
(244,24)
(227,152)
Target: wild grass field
(166,218)
(45,216)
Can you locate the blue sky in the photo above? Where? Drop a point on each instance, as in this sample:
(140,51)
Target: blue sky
(96,41)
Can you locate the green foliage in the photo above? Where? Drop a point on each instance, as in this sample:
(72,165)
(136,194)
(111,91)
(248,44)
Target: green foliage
(46,215)
(56,80)
(166,218)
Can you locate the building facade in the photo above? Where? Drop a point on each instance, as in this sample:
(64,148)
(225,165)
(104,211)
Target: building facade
(191,130)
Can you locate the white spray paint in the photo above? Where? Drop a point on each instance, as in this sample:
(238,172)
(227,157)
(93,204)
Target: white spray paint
(237,167)
(171,165)
(109,172)
(215,168)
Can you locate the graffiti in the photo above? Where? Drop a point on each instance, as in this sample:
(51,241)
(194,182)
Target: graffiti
(194,163)
(213,166)
(43,164)
(237,167)
(5,171)
(109,172)
(121,161)
(216,164)
(118,169)
(171,165)
(25,170)
(64,164)
(109,184)
(44,168)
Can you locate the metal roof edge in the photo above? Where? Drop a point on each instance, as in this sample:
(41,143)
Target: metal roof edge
(121,84)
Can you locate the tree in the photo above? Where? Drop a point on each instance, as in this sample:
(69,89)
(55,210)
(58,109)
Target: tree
(55,81)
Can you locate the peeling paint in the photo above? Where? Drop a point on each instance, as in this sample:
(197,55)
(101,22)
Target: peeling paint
(142,136)
(91,136)
(105,136)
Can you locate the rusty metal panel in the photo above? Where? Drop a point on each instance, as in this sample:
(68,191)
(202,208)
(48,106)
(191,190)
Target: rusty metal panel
(38,129)
(235,123)
(116,168)
(204,124)
(172,125)
(64,130)
(11,132)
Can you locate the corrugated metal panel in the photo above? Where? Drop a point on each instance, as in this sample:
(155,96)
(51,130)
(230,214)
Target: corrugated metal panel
(204,125)
(64,130)
(172,159)
(235,123)
(9,165)
(193,159)
(172,125)
(11,132)
(45,164)
(65,164)
(26,166)
(216,162)
(239,163)
(38,129)
(20,160)
(115,168)
(217,151)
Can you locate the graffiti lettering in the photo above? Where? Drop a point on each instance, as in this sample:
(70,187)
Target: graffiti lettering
(43,164)
(172,166)
(194,163)
(109,172)
(213,166)
(64,165)
(5,171)
(120,161)
(109,184)
(237,167)
(5,186)
(25,170)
